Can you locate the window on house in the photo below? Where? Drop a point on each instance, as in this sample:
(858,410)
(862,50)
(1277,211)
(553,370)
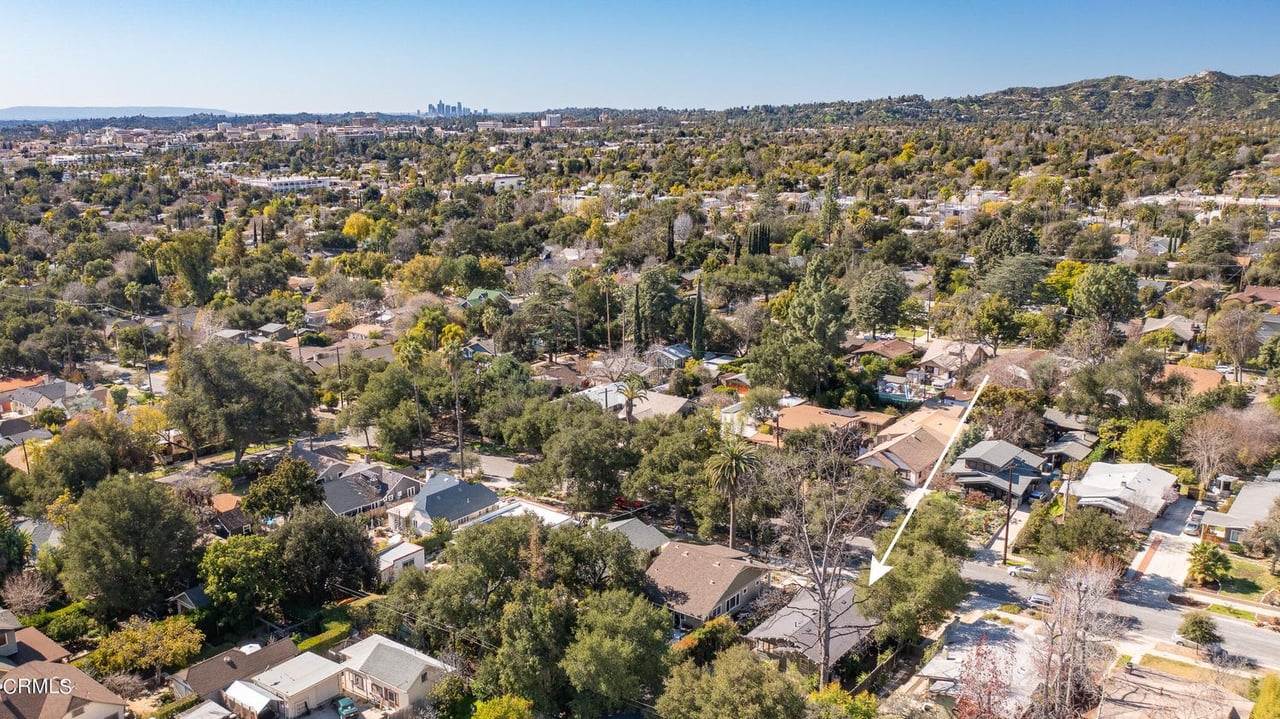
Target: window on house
(357,682)
(1234,535)
(4,638)
(732,604)
(408,563)
(391,697)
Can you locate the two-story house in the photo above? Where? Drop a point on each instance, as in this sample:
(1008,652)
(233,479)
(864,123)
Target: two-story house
(389,674)
(995,466)
(701,582)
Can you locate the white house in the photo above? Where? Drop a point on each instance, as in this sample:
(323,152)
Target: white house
(1117,487)
(299,685)
(397,558)
(389,674)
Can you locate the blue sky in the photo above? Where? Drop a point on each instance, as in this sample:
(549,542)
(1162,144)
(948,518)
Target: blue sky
(323,56)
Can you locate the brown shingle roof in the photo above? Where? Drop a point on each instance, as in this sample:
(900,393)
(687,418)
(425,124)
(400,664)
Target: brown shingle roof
(213,675)
(889,349)
(1199,380)
(692,579)
(77,690)
(34,646)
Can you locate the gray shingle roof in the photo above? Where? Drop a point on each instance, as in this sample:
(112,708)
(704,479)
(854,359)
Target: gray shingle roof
(447,497)
(641,535)
(393,666)
(346,495)
(794,628)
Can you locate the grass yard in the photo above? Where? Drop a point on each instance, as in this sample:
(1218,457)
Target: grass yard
(1194,673)
(1233,612)
(1249,579)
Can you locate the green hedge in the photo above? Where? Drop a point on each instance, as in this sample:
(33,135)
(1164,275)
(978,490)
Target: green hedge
(333,635)
(336,626)
(70,613)
(175,707)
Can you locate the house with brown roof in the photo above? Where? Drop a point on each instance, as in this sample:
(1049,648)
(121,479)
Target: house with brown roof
(701,582)
(21,645)
(890,349)
(1257,295)
(210,677)
(804,416)
(911,446)
(1199,380)
(67,693)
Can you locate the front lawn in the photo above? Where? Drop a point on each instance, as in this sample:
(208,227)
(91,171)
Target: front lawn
(1233,612)
(1195,673)
(1249,579)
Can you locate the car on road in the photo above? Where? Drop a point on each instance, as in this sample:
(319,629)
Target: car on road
(1191,527)
(1199,510)
(1024,571)
(1212,650)
(347,708)
(1040,494)
(1043,602)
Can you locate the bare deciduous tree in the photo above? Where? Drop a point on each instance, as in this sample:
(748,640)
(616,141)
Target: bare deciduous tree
(1073,651)
(129,686)
(1235,332)
(985,689)
(825,501)
(613,365)
(27,592)
(1208,444)
(1090,342)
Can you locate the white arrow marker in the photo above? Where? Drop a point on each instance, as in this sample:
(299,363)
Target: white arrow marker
(878,566)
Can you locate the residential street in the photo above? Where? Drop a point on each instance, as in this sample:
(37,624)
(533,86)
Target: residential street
(1145,602)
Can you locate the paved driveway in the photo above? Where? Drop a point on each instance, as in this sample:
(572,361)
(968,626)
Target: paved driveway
(1164,560)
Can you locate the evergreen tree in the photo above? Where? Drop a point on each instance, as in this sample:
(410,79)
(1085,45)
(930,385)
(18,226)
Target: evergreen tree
(697,343)
(829,219)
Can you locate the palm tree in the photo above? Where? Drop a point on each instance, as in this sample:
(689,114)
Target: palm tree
(633,390)
(411,353)
(451,341)
(728,468)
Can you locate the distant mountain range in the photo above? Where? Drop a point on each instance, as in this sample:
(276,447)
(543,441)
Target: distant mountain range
(1205,97)
(54,114)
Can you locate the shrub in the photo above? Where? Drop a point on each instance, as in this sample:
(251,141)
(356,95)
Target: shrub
(1011,608)
(176,707)
(335,627)
(704,643)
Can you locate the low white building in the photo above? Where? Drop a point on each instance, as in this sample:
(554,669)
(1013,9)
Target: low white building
(300,685)
(1117,487)
(295,183)
(497,180)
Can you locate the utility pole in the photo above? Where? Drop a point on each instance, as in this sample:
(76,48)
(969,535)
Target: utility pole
(608,331)
(146,351)
(1008,512)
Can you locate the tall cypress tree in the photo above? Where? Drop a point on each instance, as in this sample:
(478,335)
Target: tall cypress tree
(638,331)
(671,240)
(696,343)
